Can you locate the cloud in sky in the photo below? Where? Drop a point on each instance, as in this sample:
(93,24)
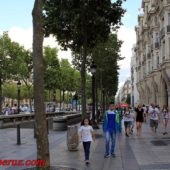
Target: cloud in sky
(128,36)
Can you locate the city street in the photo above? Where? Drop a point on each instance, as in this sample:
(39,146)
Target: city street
(149,152)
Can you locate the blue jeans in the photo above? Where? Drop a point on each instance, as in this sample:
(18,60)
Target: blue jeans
(86,146)
(110,136)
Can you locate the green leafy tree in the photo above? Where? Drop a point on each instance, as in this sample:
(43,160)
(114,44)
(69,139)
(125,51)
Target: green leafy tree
(22,68)
(5,62)
(67,75)
(78,25)
(52,69)
(106,56)
(15,62)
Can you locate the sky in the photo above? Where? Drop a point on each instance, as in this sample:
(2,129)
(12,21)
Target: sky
(16,18)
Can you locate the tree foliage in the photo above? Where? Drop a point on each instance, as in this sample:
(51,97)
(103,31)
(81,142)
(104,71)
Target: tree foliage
(106,56)
(15,62)
(52,69)
(67,20)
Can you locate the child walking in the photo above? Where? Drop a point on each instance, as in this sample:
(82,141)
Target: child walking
(86,134)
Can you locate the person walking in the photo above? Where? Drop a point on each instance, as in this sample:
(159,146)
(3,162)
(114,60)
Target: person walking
(109,128)
(127,120)
(86,135)
(139,119)
(118,119)
(154,117)
(165,116)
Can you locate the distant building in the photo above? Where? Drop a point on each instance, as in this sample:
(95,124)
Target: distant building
(124,91)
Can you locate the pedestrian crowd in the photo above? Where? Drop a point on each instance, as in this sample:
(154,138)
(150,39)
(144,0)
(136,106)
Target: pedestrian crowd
(10,110)
(115,117)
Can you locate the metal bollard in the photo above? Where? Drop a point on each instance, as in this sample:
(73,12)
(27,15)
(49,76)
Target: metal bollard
(18,135)
(35,131)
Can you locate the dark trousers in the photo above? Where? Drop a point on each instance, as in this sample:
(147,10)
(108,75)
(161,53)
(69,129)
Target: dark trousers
(86,146)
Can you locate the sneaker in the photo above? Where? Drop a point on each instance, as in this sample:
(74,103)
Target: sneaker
(106,155)
(113,155)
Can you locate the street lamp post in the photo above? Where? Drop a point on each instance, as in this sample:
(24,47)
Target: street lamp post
(18,126)
(93,71)
(54,96)
(54,100)
(19,91)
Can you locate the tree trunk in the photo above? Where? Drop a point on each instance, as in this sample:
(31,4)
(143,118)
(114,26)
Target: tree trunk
(38,66)
(60,99)
(104,102)
(83,64)
(83,81)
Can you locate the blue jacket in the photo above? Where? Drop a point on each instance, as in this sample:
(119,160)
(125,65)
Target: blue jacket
(109,121)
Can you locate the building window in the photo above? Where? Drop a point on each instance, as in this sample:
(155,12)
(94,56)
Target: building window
(168,18)
(157,58)
(149,66)
(157,38)
(153,65)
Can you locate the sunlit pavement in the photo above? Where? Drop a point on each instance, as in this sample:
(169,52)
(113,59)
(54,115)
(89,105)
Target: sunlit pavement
(151,151)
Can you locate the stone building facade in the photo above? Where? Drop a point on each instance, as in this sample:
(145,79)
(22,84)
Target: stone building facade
(153,53)
(134,91)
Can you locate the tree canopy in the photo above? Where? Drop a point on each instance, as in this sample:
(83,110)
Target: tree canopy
(69,20)
(79,25)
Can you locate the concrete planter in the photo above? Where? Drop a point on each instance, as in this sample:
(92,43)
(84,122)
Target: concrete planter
(72,138)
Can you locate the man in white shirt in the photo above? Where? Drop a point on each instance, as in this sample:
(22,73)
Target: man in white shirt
(154,117)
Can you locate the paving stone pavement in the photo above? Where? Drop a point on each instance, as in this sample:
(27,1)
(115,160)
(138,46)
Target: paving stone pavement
(151,151)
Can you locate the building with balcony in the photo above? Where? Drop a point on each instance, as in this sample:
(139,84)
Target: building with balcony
(152,53)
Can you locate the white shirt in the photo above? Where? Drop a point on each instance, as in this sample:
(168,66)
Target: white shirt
(86,133)
(165,114)
(153,113)
(127,117)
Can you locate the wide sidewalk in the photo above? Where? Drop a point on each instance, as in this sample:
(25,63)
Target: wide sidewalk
(151,151)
